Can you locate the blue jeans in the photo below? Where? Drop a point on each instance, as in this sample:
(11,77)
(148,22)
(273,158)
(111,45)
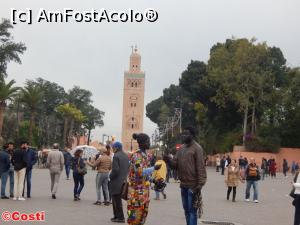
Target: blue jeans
(4,176)
(255,187)
(78,183)
(187,197)
(67,168)
(28,182)
(102,185)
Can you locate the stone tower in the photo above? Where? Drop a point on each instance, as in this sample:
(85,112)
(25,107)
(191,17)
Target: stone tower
(133,101)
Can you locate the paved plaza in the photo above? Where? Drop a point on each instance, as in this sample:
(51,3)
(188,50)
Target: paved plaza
(274,208)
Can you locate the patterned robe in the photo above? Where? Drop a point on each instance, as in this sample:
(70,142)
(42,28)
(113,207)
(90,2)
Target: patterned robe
(138,189)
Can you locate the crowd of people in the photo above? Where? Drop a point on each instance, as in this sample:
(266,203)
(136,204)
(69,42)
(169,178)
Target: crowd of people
(132,176)
(249,172)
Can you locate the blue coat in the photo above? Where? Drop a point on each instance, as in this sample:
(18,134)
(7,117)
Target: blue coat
(31,158)
(4,162)
(77,162)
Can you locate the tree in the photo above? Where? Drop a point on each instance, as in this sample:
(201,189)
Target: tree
(31,95)
(48,120)
(7,92)
(240,70)
(70,114)
(94,118)
(9,50)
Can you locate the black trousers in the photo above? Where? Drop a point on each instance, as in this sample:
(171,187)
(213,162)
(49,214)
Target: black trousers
(117,207)
(229,191)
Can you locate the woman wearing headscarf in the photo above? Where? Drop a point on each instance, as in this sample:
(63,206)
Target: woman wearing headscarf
(138,182)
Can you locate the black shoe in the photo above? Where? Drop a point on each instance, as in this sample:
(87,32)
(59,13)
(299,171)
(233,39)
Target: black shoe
(97,203)
(165,196)
(106,203)
(75,199)
(53,197)
(4,197)
(28,196)
(11,196)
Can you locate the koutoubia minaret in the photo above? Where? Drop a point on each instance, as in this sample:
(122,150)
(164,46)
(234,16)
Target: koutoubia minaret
(133,101)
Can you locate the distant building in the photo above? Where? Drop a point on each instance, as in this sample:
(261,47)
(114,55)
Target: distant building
(133,101)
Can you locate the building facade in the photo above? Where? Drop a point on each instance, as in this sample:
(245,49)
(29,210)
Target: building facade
(133,101)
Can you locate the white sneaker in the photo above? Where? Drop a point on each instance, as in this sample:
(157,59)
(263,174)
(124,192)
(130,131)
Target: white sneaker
(15,199)
(255,201)
(21,199)
(247,200)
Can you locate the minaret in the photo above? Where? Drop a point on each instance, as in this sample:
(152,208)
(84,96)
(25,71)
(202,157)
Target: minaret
(133,101)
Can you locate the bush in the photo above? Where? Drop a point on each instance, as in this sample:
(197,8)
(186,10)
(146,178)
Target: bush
(263,144)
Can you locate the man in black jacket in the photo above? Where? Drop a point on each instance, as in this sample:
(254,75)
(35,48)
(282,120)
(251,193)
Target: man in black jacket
(20,163)
(4,168)
(118,177)
(31,159)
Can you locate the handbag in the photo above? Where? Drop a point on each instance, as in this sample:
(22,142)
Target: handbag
(124,193)
(81,171)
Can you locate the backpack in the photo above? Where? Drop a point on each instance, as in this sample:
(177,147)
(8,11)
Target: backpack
(252,171)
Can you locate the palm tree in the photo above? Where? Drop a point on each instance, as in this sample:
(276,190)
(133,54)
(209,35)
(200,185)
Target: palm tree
(31,96)
(71,115)
(7,92)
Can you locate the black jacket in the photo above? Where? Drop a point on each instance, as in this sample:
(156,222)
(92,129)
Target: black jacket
(118,175)
(19,160)
(4,161)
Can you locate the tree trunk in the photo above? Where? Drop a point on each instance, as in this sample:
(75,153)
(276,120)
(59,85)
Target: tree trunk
(253,120)
(89,137)
(78,139)
(31,125)
(65,132)
(70,135)
(245,122)
(2,109)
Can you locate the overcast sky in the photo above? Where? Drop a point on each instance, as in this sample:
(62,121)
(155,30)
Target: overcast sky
(95,55)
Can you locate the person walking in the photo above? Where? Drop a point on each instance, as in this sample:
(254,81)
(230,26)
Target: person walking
(19,162)
(67,159)
(241,163)
(31,159)
(118,176)
(273,168)
(4,169)
(252,178)
(293,168)
(103,165)
(10,151)
(232,178)
(189,162)
(285,167)
(296,195)
(263,167)
(55,163)
(138,183)
(159,177)
(223,162)
(78,167)
(218,163)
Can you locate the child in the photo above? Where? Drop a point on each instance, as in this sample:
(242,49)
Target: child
(159,177)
